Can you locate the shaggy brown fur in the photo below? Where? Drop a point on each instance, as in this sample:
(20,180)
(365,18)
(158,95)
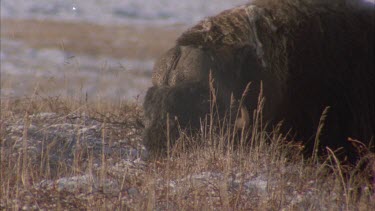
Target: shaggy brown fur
(308,55)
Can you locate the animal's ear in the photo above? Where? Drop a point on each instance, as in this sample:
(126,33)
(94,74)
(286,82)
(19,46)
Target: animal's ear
(236,27)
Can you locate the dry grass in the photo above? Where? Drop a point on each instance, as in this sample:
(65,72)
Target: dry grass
(42,171)
(128,41)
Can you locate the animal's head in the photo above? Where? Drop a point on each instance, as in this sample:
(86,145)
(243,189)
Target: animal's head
(180,97)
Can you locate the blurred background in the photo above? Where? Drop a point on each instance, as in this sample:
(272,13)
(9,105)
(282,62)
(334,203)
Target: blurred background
(91,48)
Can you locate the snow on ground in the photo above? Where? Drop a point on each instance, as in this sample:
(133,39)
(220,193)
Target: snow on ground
(23,69)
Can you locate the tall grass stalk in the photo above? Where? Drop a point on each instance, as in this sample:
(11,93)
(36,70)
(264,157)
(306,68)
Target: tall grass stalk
(322,119)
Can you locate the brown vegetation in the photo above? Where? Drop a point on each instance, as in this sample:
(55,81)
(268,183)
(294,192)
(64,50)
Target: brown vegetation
(59,154)
(121,41)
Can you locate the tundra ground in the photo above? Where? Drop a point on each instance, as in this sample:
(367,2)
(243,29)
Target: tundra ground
(76,152)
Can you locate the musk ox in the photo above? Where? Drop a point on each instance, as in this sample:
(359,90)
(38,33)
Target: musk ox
(304,55)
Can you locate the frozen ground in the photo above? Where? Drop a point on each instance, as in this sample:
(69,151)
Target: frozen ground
(111,172)
(25,70)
